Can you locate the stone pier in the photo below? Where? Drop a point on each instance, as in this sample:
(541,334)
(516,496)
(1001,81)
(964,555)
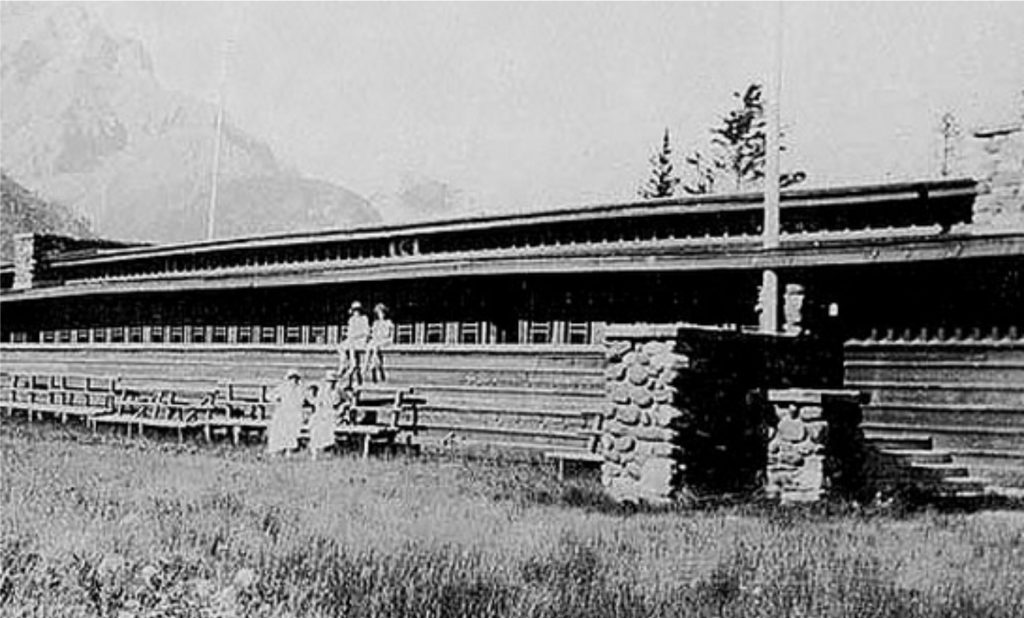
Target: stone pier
(645,415)
(815,443)
(694,410)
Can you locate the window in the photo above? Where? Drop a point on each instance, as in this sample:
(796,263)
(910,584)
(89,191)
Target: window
(220,334)
(197,334)
(435,332)
(404,333)
(49,336)
(245,334)
(177,334)
(293,334)
(318,334)
(156,334)
(82,335)
(99,335)
(268,334)
(539,332)
(117,334)
(579,332)
(469,332)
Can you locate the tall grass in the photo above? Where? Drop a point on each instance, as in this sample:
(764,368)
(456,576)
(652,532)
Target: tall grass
(101,527)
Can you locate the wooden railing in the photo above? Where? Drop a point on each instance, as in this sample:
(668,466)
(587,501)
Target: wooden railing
(449,332)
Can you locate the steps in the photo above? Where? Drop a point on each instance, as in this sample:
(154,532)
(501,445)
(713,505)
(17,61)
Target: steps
(909,461)
(965,395)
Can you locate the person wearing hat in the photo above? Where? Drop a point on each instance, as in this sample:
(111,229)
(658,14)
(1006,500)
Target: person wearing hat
(381,335)
(286,419)
(324,421)
(356,337)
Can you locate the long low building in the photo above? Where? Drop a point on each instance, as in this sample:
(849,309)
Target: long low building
(497,317)
(881,257)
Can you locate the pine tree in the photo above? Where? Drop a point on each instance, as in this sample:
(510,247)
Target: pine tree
(704,171)
(662,182)
(738,149)
(740,140)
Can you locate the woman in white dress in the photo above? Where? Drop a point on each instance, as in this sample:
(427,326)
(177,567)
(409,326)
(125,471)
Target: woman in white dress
(286,420)
(382,333)
(324,421)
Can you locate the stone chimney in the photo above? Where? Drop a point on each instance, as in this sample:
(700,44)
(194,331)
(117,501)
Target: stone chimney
(32,256)
(997,163)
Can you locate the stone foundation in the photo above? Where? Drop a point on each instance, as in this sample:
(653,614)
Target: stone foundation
(815,444)
(641,438)
(685,410)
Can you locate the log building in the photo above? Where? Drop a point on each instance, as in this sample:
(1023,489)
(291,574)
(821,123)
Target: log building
(497,317)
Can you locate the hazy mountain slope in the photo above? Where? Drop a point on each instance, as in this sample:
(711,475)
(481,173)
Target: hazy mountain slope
(86,121)
(23,211)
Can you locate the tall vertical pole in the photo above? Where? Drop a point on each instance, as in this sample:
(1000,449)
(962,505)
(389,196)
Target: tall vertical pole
(211,212)
(770,233)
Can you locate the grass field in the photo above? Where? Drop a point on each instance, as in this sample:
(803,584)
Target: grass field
(106,527)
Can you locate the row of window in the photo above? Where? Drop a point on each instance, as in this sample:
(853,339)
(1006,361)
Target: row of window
(408,333)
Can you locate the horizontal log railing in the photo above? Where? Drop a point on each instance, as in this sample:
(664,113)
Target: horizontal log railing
(449,332)
(963,387)
(530,397)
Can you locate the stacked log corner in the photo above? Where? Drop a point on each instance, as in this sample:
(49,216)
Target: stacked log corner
(641,437)
(816,446)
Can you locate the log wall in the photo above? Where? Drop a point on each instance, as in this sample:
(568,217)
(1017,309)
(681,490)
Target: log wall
(966,392)
(520,397)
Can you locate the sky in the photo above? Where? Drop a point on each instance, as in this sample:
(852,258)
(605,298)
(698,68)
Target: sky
(533,105)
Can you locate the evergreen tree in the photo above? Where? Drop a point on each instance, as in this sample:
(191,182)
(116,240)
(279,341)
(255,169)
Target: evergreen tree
(704,171)
(662,182)
(740,140)
(738,149)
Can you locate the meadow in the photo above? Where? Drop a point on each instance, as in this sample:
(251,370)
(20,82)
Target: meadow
(101,526)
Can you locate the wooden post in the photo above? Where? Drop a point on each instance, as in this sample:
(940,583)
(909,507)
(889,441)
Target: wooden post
(769,279)
(558,332)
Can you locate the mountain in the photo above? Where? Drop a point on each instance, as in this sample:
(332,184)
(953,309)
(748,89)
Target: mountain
(22,211)
(85,121)
(418,198)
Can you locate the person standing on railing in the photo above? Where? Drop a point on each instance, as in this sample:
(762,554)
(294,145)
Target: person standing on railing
(324,421)
(381,335)
(356,338)
(286,420)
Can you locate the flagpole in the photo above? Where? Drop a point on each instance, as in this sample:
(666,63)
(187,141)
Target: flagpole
(212,210)
(770,233)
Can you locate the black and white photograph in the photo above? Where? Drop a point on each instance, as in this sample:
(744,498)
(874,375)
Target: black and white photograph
(511,309)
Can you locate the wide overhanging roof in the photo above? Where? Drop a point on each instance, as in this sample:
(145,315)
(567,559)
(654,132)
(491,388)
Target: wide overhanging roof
(703,205)
(227,264)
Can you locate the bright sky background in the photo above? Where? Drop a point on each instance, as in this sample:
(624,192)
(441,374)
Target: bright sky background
(527,105)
